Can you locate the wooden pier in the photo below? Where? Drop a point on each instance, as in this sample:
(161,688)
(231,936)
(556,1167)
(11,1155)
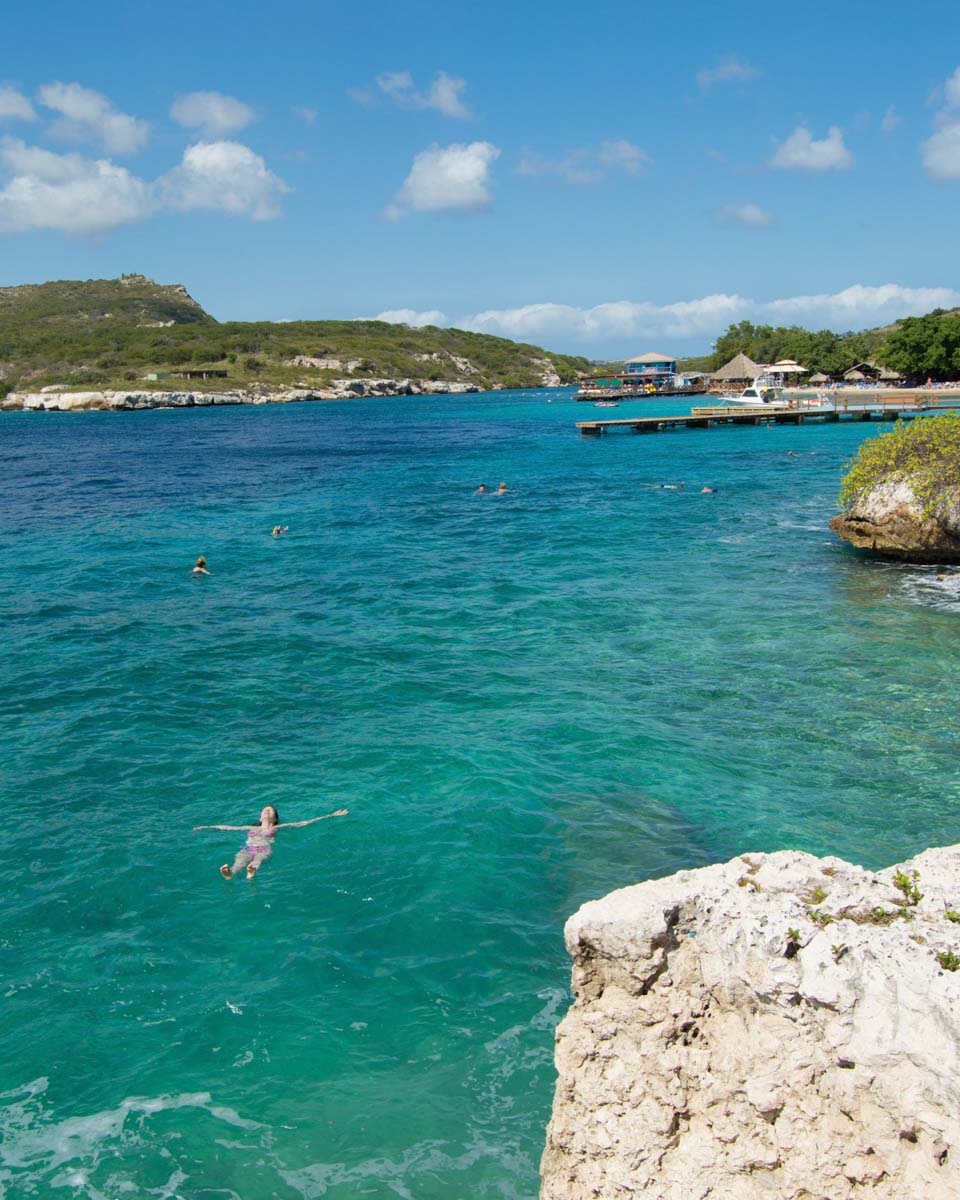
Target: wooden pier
(881,407)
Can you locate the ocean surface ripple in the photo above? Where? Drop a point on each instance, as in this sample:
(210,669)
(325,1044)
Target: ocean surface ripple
(524,700)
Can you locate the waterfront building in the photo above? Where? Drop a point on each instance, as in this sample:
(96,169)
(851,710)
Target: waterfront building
(650,365)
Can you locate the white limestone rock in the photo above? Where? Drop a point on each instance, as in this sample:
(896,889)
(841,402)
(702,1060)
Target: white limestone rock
(709,1054)
(890,519)
(255,393)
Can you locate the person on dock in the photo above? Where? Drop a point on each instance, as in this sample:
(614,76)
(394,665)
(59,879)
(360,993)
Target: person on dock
(201,567)
(259,844)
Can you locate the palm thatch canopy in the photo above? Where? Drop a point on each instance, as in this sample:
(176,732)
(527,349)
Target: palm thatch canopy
(819,378)
(889,375)
(739,367)
(787,366)
(854,376)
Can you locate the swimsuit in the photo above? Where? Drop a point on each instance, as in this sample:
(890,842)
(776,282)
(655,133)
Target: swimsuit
(258,849)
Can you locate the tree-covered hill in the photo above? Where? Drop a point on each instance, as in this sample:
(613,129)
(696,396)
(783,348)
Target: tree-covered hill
(112,332)
(919,347)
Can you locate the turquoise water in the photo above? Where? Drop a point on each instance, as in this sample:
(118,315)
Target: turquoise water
(524,702)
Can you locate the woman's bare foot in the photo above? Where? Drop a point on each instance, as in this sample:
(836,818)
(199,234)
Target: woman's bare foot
(226,872)
(251,871)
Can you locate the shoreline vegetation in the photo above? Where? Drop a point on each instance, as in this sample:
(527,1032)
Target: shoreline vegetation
(131,343)
(136,336)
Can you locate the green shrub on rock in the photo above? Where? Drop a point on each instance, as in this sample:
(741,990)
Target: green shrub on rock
(925,451)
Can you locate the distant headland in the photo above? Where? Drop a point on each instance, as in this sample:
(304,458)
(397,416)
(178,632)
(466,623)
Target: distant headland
(133,343)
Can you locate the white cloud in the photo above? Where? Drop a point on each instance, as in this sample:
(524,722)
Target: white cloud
(223,177)
(212,113)
(446,179)
(588,165)
(89,116)
(79,196)
(941,153)
(576,166)
(891,121)
(444,94)
(410,316)
(14,106)
(308,115)
(67,193)
(801,152)
(728,70)
(396,84)
(744,214)
(951,90)
(861,305)
(627,321)
(620,153)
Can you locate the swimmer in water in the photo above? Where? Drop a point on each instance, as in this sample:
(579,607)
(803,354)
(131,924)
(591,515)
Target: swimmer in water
(259,843)
(502,489)
(705,490)
(480,489)
(673,487)
(201,567)
(276,531)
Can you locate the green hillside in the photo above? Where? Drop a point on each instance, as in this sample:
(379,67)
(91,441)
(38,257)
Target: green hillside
(114,332)
(918,347)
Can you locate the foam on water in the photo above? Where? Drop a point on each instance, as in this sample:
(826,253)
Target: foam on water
(524,701)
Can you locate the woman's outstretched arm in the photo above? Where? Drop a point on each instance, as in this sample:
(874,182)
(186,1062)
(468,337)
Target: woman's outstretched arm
(341,812)
(196,827)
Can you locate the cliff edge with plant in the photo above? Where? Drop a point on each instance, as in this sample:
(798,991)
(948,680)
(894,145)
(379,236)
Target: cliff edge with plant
(901,493)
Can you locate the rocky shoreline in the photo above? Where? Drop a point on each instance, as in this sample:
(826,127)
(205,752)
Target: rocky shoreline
(776,1026)
(54,400)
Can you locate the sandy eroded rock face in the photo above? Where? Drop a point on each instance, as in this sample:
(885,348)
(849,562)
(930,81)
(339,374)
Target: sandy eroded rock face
(712,1052)
(891,521)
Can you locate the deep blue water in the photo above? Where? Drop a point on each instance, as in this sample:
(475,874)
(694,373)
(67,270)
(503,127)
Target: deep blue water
(524,701)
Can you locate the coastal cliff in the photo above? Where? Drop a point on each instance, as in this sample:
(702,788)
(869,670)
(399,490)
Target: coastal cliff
(54,400)
(901,494)
(775,1026)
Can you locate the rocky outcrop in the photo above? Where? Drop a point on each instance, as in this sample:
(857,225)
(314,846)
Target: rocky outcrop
(53,400)
(548,373)
(891,520)
(323,364)
(779,1026)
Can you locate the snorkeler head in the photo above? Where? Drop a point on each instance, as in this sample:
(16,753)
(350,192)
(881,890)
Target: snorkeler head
(201,561)
(271,815)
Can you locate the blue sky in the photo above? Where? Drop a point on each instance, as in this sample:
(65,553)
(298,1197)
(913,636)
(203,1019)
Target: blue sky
(601,179)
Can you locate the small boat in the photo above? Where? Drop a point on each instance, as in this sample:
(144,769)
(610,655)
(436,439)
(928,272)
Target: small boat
(605,404)
(767,389)
(753,396)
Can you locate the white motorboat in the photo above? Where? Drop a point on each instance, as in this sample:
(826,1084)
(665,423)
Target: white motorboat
(753,396)
(767,389)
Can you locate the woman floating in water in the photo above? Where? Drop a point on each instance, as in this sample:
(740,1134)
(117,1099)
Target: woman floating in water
(201,567)
(259,844)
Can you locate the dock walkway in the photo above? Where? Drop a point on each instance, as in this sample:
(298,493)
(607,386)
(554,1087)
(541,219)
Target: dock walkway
(882,407)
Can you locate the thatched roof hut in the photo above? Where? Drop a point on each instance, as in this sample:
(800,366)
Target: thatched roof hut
(819,377)
(739,367)
(872,371)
